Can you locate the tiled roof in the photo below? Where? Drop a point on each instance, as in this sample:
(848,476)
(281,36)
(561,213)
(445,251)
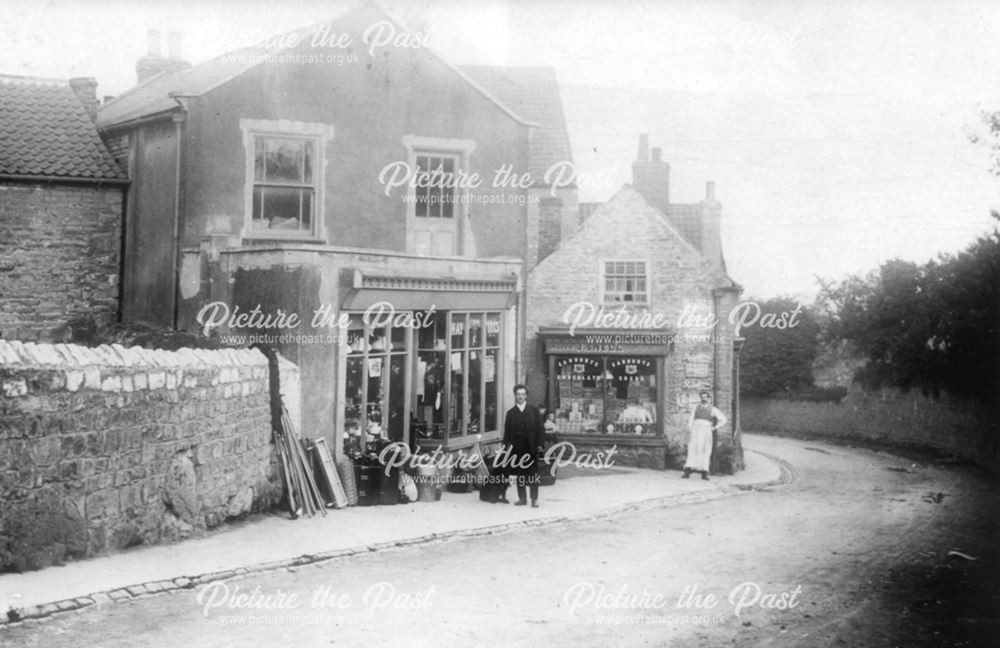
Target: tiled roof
(46,131)
(533,93)
(687,219)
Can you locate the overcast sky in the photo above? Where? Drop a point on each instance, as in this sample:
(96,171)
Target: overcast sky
(837,133)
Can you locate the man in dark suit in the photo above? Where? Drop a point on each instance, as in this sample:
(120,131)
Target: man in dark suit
(523,434)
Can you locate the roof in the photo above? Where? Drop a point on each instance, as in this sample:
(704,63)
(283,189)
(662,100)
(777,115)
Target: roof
(533,93)
(681,220)
(45,130)
(687,218)
(153,96)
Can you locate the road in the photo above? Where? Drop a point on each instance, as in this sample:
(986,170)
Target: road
(854,552)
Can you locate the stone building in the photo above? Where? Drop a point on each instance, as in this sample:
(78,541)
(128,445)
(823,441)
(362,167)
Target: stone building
(627,321)
(330,174)
(60,212)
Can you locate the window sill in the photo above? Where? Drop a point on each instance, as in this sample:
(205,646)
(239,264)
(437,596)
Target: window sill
(459,443)
(610,439)
(266,240)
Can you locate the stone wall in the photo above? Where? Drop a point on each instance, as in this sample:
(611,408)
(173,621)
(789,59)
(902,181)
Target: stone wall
(104,448)
(947,424)
(59,260)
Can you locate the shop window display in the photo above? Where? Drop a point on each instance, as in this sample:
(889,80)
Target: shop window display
(449,364)
(376,383)
(606,395)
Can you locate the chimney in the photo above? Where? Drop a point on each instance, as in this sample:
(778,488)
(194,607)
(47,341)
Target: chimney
(651,178)
(711,227)
(153,43)
(85,89)
(154,63)
(174,45)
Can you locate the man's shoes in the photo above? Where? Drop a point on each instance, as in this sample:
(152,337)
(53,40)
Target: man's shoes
(687,474)
(520,502)
(503,500)
(704,476)
(534,505)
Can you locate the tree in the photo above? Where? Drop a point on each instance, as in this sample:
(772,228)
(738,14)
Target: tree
(990,138)
(776,359)
(934,326)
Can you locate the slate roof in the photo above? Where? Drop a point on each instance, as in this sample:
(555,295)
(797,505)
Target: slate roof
(152,97)
(46,131)
(533,93)
(687,219)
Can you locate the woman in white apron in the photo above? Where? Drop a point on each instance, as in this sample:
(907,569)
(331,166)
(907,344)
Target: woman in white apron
(704,418)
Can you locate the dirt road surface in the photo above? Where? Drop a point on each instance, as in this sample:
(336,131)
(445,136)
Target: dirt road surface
(862,548)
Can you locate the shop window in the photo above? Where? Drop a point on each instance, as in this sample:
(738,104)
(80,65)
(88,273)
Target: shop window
(606,395)
(457,376)
(626,282)
(375,391)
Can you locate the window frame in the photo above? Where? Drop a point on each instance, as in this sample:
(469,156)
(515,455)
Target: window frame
(602,268)
(459,149)
(319,135)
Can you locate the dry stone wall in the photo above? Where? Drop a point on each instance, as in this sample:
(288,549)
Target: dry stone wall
(104,448)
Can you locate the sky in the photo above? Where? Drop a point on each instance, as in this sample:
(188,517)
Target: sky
(837,133)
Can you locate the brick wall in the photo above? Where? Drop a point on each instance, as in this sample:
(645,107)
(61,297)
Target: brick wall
(59,252)
(104,448)
(959,427)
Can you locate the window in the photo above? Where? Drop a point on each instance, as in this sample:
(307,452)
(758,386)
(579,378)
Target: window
(435,200)
(436,383)
(458,370)
(435,192)
(284,178)
(606,395)
(376,382)
(284,192)
(625,282)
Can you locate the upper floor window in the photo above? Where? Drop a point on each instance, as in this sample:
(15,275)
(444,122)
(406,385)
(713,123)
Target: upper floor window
(435,209)
(626,282)
(435,190)
(284,178)
(284,187)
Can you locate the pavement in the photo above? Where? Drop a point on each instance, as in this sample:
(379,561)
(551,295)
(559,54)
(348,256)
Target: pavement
(272,542)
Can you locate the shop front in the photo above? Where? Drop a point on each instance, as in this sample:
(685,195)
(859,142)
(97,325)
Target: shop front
(431,377)
(609,388)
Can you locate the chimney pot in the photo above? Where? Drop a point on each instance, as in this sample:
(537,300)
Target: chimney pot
(710,190)
(153,41)
(174,41)
(656,154)
(643,147)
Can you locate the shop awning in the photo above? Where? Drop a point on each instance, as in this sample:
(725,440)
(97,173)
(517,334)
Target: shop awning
(420,293)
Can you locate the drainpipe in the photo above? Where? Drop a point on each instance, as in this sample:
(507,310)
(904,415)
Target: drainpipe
(716,296)
(178,119)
